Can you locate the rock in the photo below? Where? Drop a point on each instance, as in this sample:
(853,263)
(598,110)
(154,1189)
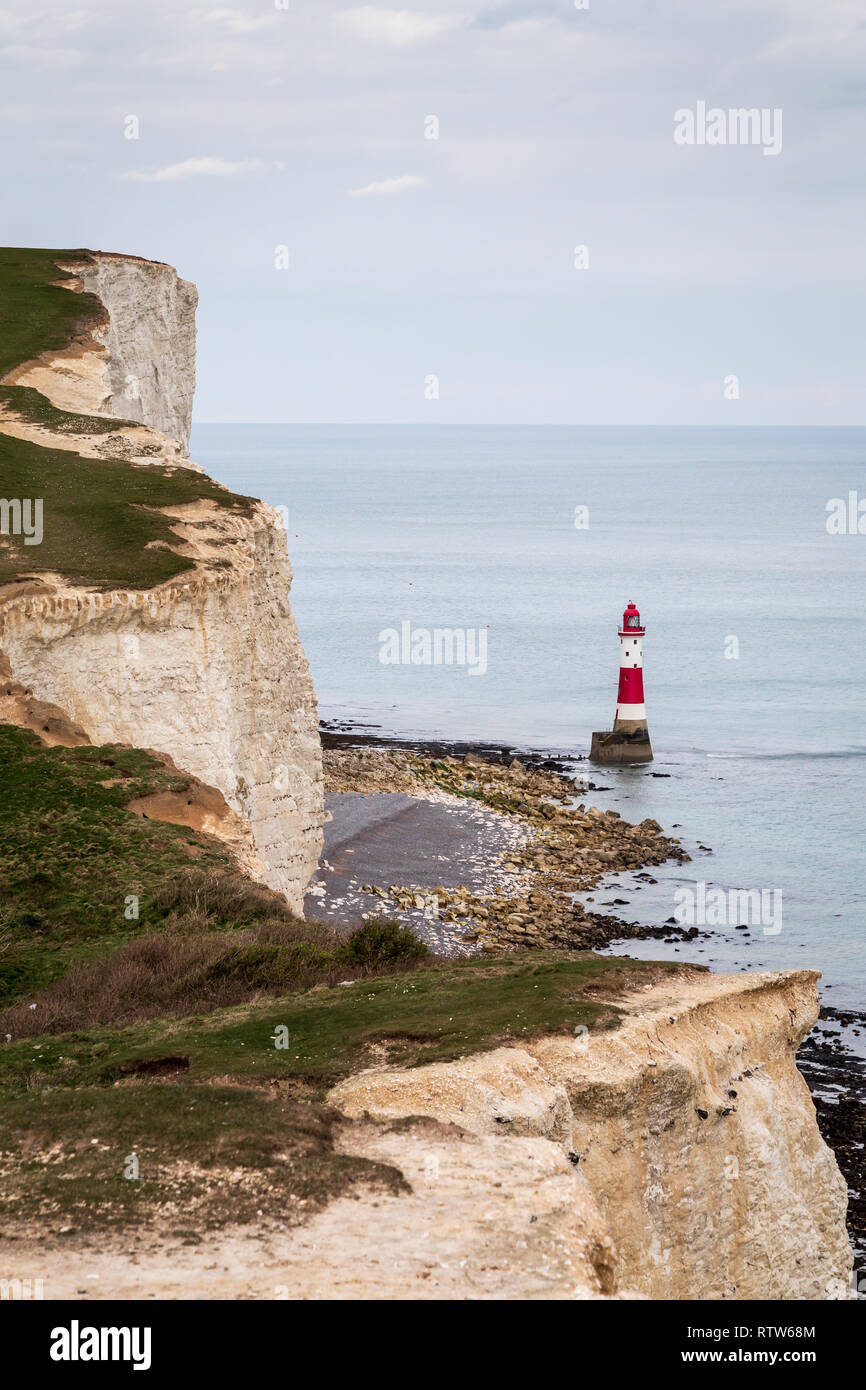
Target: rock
(478,1093)
(150,339)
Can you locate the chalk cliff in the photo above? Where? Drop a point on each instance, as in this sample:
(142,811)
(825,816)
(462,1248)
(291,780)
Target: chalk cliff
(611,1165)
(696,1170)
(206,666)
(149,341)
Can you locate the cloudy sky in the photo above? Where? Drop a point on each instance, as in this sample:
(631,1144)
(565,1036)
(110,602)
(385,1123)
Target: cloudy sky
(306,127)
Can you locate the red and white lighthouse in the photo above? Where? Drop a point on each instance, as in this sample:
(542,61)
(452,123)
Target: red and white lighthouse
(628,741)
(630,707)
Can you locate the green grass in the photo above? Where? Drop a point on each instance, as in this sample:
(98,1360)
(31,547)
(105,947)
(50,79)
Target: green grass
(432,1014)
(96,523)
(36,315)
(229,1127)
(98,517)
(70,854)
(226,1125)
(33,406)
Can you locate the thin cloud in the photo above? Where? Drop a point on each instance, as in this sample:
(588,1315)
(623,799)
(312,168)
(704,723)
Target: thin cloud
(235,21)
(194,168)
(509,12)
(42,58)
(397,28)
(385,187)
(31,19)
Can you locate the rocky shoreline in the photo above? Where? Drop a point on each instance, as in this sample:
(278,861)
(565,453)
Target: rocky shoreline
(568,847)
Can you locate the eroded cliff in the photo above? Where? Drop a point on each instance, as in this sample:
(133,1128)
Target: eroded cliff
(205,666)
(696,1167)
(149,341)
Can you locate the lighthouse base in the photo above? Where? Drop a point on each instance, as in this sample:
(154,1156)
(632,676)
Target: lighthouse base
(620,746)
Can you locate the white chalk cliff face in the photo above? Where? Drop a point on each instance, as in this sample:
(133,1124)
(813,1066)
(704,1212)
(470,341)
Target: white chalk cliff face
(149,340)
(136,365)
(697,1168)
(207,667)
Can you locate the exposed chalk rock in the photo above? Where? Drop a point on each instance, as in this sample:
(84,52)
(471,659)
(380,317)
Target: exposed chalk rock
(208,668)
(483,1220)
(149,339)
(706,1194)
(19,706)
(505,1091)
(205,809)
(716,1184)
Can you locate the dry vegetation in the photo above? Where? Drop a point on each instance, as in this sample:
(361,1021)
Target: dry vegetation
(225,941)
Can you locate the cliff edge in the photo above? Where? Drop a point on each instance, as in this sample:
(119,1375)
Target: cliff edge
(476,1146)
(675,1157)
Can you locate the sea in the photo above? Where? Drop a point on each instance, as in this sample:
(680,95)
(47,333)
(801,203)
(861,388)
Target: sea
(742,549)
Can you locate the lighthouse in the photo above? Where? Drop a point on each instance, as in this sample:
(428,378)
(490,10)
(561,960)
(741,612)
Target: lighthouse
(628,740)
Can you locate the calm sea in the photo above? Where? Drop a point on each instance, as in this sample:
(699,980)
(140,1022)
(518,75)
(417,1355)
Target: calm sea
(532,540)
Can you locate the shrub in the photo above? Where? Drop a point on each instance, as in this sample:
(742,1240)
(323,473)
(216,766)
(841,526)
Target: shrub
(376,944)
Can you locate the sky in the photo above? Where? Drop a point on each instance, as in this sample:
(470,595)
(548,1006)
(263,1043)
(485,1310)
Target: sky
(381,206)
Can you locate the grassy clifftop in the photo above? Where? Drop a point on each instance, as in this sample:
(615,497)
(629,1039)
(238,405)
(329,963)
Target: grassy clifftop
(226,1114)
(100,516)
(36,313)
(201,1034)
(107,915)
